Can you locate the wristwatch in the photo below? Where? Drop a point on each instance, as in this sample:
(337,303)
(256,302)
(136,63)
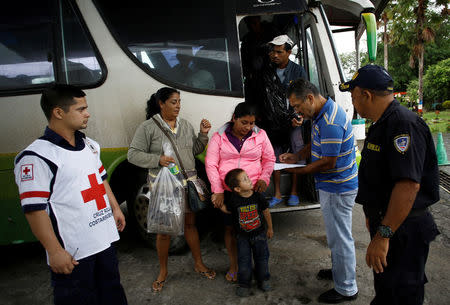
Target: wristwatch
(385,231)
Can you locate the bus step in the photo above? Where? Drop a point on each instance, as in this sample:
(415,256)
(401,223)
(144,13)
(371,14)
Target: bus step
(280,208)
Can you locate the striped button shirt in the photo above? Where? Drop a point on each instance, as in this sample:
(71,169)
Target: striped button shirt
(332,136)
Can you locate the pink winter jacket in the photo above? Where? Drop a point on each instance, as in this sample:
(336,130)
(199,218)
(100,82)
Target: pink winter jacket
(256,158)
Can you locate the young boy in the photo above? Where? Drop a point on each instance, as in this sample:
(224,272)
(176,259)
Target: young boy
(69,204)
(247,208)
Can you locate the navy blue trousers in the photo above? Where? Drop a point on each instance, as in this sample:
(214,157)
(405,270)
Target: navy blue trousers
(257,247)
(95,281)
(403,280)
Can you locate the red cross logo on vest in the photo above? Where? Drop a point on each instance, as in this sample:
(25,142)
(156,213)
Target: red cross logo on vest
(96,192)
(26,170)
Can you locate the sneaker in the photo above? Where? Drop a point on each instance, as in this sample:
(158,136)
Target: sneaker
(242,291)
(293,200)
(274,201)
(265,286)
(333,297)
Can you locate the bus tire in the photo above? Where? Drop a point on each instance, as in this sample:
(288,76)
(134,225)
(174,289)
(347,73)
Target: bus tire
(137,212)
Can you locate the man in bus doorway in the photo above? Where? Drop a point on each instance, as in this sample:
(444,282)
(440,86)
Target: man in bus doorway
(69,204)
(398,180)
(286,72)
(334,166)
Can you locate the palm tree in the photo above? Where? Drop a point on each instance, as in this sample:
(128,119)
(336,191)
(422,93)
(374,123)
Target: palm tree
(423,34)
(414,24)
(385,39)
(386,16)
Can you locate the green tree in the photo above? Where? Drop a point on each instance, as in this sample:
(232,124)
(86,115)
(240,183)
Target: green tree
(414,24)
(348,61)
(437,82)
(400,71)
(412,90)
(439,49)
(400,34)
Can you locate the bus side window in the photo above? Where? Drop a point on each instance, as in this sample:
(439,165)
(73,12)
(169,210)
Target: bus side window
(188,45)
(25,41)
(80,65)
(36,48)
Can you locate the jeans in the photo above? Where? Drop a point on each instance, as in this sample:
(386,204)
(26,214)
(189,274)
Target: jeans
(257,246)
(337,215)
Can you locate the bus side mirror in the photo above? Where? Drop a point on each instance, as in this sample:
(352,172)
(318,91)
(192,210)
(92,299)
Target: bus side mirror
(371,29)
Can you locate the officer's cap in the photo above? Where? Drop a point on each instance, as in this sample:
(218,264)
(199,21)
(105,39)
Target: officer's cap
(370,77)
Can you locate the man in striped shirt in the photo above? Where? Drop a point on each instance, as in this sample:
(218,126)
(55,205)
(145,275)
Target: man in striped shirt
(334,167)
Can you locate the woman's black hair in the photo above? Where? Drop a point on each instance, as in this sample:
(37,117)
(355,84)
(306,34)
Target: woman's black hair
(162,95)
(243,109)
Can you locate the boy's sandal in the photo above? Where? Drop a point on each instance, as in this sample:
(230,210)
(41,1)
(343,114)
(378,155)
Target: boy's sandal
(157,286)
(231,277)
(209,274)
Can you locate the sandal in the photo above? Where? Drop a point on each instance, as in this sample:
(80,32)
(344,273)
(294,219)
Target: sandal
(157,286)
(231,277)
(274,201)
(209,274)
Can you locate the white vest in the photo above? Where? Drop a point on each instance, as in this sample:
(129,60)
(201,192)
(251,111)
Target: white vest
(69,185)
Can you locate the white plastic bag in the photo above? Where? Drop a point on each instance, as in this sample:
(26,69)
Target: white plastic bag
(166,207)
(173,168)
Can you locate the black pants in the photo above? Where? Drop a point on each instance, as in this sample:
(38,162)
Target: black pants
(95,281)
(402,282)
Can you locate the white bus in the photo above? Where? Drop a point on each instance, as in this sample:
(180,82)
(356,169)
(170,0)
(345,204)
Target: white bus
(120,53)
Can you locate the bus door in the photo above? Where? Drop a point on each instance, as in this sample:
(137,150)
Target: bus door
(255,31)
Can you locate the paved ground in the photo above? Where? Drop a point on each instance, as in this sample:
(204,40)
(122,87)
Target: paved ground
(298,251)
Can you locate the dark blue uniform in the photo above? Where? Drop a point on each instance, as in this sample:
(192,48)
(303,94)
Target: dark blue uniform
(400,146)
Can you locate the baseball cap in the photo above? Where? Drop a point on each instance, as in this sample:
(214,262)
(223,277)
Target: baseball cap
(281,40)
(370,77)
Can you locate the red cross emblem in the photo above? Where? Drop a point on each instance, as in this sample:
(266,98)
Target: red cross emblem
(96,192)
(26,172)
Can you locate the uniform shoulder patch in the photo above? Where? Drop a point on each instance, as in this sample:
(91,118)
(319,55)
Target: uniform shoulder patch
(26,172)
(401,143)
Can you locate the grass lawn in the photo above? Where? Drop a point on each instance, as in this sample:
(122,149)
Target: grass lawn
(438,122)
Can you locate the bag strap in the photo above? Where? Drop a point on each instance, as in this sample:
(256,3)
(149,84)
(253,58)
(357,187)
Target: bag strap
(174,146)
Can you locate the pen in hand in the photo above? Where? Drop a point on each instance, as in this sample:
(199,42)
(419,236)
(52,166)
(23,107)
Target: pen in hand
(74,253)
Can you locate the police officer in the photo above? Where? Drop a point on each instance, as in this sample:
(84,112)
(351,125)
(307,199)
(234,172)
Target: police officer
(398,180)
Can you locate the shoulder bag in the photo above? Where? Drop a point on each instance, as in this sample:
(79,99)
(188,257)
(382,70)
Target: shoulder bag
(197,193)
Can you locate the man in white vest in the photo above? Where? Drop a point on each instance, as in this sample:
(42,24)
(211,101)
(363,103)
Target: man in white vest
(69,204)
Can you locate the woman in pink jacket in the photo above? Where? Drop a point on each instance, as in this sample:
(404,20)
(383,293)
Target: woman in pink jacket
(238,144)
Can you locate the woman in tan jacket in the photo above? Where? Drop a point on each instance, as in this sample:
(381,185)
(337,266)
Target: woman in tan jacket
(146,150)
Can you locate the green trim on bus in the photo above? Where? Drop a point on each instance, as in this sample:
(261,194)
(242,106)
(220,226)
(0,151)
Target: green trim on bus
(14,227)
(112,157)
